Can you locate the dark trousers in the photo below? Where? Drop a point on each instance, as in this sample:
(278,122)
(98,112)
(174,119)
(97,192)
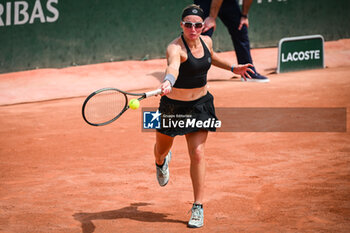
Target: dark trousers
(230,15)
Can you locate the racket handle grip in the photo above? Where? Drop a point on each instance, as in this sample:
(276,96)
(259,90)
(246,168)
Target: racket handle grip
(152,93)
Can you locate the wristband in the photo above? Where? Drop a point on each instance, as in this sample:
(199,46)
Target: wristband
(232,68)
(244,16)
(170,78)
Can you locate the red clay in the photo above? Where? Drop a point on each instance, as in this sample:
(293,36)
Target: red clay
(59,174)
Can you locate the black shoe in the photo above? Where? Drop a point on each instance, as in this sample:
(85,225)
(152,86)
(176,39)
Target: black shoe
(256,77)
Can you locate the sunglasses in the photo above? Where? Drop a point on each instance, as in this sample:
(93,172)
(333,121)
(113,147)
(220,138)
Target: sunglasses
(190,24)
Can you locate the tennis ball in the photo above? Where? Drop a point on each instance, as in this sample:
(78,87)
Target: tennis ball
(134,104)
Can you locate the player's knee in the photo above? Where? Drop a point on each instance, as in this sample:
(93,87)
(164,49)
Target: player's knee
(197,155)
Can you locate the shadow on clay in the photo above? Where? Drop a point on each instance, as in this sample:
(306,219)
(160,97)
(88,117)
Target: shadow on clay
(130,212)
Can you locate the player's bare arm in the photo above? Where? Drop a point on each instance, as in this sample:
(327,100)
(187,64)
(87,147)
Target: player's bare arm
(173,55)
(222,63)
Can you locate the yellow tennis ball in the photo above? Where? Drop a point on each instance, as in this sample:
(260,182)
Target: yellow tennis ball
(134,104)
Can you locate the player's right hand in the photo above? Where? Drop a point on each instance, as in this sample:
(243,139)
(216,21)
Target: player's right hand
(165,87)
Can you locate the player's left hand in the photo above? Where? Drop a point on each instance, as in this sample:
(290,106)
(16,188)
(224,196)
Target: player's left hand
(244,21)
(243,70)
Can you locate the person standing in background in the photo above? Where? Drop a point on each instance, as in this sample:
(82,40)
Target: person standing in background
(237,23)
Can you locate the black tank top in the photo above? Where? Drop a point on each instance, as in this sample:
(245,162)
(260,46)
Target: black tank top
(193,71)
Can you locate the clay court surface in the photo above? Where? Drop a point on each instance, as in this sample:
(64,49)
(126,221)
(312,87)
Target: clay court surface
(59,174)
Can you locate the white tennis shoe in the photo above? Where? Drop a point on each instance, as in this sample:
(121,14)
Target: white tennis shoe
(197,217)
(163,173)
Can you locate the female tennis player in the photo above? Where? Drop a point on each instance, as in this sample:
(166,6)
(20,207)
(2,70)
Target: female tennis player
(185,97)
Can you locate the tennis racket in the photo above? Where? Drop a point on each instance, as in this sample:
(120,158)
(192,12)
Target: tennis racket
(106,105)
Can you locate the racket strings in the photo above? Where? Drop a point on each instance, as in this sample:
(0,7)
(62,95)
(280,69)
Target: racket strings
(104,106)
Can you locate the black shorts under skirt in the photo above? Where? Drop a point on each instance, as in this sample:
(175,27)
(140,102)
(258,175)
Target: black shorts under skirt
(201,109)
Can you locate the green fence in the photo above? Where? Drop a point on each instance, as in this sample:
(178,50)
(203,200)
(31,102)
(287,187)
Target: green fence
(61,33)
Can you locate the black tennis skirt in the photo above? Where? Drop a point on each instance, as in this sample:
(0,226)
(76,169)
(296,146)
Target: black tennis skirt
(183,117)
